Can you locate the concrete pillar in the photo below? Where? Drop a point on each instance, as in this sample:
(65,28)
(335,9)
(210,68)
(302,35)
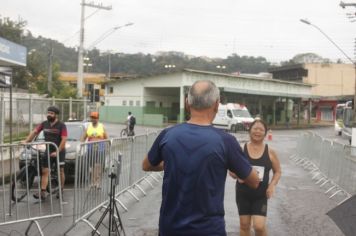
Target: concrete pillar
(85,108)
(298,112)
(286,115)
(181,105)
(309,110)
(274,121)
(2,118)
(260,107)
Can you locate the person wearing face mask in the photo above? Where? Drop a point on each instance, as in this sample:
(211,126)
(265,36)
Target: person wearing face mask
(54,131)
(95,132)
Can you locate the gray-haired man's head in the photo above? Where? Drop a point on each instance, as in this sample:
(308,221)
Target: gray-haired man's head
(203,94)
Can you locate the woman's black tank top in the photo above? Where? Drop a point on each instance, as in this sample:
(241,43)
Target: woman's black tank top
(263,165)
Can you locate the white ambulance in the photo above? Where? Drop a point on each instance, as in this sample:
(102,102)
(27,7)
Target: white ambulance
(233,117)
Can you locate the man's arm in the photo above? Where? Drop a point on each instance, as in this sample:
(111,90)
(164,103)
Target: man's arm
(64,136)
(31,136)
(240,166)
(252,179)
(147,166)
(62,145)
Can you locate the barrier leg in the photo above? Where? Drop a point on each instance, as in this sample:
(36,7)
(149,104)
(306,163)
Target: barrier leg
(38,227)
(138,186)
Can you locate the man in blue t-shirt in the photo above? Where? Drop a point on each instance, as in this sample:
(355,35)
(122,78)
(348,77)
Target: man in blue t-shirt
(195,158)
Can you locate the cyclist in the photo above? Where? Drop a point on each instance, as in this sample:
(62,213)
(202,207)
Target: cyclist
(131,122)
(54,131)
(96,132)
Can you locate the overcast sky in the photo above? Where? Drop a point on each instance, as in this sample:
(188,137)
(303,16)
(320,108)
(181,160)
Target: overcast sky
(213,28)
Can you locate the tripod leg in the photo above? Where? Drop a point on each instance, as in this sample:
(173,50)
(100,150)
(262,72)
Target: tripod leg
(119,219)
(99,222)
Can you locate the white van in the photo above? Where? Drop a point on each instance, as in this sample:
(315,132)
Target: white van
(233,117)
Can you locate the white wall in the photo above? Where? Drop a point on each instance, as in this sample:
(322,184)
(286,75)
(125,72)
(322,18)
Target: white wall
(134,90)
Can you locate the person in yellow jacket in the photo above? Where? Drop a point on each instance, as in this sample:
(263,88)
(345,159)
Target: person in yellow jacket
(95,132)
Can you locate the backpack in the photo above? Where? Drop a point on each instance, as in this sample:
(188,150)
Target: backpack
(132,120)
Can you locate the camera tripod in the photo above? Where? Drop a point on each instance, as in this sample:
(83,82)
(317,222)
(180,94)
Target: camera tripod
(115,225)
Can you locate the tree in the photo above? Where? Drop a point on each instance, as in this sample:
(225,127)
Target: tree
(306,58)
(12,30)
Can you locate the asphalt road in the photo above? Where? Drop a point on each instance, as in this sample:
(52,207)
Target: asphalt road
(298,208)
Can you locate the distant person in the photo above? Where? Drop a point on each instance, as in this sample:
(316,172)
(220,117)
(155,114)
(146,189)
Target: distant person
(95,153)
(131,122)
(252,203)
(72,117)
(54,131)
(195,158)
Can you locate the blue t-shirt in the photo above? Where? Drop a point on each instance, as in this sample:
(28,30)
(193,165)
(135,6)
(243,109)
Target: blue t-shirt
(196,159)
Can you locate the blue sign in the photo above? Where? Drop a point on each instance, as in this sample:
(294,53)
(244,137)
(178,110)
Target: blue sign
(12,54)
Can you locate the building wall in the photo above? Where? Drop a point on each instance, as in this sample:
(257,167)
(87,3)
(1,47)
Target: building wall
(139,91)
(125,93)
(331,79)
(164,94)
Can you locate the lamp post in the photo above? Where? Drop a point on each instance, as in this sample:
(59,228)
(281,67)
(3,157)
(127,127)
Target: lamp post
(107,34)
(353,139)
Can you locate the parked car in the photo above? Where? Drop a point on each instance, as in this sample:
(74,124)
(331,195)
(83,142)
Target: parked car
(75,132)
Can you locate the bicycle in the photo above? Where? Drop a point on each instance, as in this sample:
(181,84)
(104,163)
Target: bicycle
(23,183)
(125,132)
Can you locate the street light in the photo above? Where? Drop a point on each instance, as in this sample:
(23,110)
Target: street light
(107,34)
(354,64)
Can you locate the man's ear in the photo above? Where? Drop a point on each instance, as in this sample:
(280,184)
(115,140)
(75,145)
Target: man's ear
(187,108)
(216,106)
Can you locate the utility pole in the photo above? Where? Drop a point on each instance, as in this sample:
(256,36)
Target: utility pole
(81,43)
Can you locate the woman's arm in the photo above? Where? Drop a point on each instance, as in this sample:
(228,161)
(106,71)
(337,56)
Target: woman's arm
(276,168)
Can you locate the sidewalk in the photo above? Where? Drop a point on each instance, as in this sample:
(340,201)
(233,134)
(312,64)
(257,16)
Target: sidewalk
(302,125)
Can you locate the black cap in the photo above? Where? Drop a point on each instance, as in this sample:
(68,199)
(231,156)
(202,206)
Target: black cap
(53,109)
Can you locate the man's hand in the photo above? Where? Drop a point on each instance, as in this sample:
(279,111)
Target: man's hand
(241,181)
(53,154)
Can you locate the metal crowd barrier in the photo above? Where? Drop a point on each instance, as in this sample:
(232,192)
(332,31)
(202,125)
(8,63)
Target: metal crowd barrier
(90,182)
(331,164)
(129,153)
(20,166)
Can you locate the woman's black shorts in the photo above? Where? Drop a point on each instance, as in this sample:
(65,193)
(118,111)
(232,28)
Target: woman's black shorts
(251,205)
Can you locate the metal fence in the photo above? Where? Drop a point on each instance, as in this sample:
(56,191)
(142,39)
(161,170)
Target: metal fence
(20,171)
(89,196)
(28,112)
(332,165)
